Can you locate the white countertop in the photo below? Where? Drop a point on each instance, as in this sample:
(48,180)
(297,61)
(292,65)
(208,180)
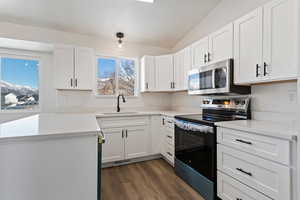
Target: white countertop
(267,128)
(50,124)
(143,113)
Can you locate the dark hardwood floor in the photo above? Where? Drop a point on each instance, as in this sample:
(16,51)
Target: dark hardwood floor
(150,180)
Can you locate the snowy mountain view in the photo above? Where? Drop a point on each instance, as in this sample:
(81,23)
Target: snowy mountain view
(18,96)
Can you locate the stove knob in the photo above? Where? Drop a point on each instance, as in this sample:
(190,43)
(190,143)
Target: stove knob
(243,102)
(237,102)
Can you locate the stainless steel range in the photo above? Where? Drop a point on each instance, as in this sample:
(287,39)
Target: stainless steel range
(196,143)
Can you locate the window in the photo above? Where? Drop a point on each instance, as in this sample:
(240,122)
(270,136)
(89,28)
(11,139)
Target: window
(19,83)
(116,76)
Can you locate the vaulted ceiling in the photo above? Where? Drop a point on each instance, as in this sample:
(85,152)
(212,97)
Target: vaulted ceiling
(163,23)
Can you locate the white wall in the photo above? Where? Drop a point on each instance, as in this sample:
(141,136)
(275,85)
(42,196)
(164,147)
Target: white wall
(81,101)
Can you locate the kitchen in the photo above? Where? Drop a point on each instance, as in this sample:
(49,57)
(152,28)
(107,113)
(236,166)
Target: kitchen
(73,66)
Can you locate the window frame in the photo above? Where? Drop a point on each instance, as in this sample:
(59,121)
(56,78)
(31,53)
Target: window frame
(19,54)
(118,59)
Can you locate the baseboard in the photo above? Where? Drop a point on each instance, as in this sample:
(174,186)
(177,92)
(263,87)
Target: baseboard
(130,161)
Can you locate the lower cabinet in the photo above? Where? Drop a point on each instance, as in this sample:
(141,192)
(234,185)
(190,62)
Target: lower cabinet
(125,143)
(136,142)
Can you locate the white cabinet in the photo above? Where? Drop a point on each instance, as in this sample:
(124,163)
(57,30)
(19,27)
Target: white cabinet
(156,134)
(113,148)
(216,47)
(125,138)
(248,47)
(164,72)
(148,75)
(221,44)
(168,140)
(182,64)
(74,68)
(265,43)
(199,52)
(279,40)
(136,142)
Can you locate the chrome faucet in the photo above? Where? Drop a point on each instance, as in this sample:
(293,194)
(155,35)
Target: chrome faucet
(118,104)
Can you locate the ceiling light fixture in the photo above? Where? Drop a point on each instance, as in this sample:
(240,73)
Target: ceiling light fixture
(120,36)
(146,1)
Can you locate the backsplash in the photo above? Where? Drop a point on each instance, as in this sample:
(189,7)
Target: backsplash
(274,101)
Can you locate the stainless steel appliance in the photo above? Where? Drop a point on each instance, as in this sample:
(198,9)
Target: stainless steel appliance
(196,143)
(216,78)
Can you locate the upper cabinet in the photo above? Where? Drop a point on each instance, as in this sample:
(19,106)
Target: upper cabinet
(164,72)
(74,68)
(199,52)
(248,47)
(148,82)
(221,44)
(265,44)
(216,47)
(182,64)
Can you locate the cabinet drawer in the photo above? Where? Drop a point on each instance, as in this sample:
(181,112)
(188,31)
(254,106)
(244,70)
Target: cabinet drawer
(266,147)
(169,137)
(272,179)
(119,122)
(231,189)
(168,122)
(169,153)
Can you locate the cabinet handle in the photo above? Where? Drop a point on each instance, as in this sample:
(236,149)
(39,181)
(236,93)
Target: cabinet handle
(265,69)
(170,154)
(243,141)
(71,82)
(126,133)
(239,199)
(147,86)
(170,137)
(208,57)
(173,85)
(257,68)
(205,56)
(163,121)
(75,82)
(122,133)
(241,170)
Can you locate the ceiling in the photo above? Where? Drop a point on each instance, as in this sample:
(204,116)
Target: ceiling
(163,23)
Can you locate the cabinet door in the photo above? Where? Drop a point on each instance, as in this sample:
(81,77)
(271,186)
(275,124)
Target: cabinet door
(187,64)
(199,50)
(179,70)
(113,148)
(248,47)
(136,142)
(64,67)
(156,134)
(164,72)
(84,68)
(221,44)
(280,46)
(147,73)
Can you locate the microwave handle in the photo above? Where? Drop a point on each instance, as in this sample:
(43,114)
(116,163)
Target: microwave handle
(213,79)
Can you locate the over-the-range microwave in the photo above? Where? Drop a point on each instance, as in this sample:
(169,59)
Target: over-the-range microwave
(215,78)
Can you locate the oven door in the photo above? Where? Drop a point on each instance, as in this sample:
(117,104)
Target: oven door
(195,146)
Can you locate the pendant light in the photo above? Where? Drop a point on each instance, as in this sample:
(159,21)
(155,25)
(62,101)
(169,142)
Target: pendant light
(120,37)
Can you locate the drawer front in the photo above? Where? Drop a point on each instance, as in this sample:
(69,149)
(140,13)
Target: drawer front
(119,122)
(169,153)
(270,148)
(168,122)
(231,189)
(169,137)
(272,179)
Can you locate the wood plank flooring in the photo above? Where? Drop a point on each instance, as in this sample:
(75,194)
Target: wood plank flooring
(150,180)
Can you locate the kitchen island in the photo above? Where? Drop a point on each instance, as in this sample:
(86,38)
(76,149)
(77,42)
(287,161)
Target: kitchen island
(50,156)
